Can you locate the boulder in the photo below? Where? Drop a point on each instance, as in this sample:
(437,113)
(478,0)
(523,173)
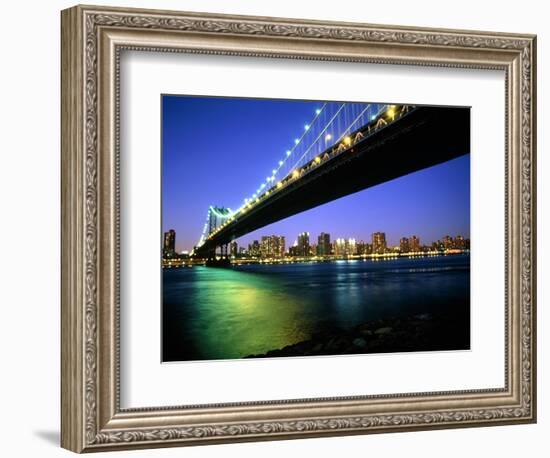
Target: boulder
(360,342)
(383,331)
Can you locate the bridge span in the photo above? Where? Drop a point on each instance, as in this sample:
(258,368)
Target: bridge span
(402,140)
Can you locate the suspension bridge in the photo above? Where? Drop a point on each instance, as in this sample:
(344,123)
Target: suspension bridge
(345,148)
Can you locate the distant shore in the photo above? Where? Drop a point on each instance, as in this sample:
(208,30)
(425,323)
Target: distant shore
(421,332)
(190,262)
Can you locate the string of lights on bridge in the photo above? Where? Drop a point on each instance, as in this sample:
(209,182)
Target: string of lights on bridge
(333,124)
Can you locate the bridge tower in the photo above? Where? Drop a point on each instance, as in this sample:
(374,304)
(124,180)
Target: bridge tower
(216,217)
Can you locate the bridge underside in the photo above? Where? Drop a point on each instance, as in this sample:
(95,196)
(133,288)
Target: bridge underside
(425,137)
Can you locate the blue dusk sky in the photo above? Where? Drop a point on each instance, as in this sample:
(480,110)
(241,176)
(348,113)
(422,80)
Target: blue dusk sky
(216,151)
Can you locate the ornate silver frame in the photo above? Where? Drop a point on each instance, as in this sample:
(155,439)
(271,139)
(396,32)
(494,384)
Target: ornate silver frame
(92,38)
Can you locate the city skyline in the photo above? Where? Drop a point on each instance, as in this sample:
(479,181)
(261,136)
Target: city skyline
(325,244)
(427,203)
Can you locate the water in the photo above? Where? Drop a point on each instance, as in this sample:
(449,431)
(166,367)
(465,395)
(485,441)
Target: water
(213,313)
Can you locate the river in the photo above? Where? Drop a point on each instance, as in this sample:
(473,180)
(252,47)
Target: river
(227,313)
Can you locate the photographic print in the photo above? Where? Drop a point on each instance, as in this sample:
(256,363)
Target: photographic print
(305,228)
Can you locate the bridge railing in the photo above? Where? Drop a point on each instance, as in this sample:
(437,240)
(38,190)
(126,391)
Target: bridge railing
(331,123)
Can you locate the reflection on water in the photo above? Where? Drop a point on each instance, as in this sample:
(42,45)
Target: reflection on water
(211,313)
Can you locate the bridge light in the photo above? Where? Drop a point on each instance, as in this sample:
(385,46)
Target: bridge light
(280,184)
(262,186)
(328,137)
(317,160)
(296,140)
(373,117)
(295,174)
(288,153)
(306,127)
(391,112)
(280,163)
(318,111)
(274,171)
(347,140)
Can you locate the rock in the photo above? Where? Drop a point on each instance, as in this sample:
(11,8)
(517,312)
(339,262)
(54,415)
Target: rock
(360,342)
(317,348)
(331,344)
(383,331)
(420,332)
(336,344)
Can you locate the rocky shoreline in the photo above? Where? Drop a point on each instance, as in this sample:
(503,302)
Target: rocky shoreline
(421,332)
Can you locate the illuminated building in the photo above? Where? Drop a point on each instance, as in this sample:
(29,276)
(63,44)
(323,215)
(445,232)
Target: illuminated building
(303,244)
(379,242)
(404,246)
(460,242)
(340,247)
(169,244)
(272,246)
(414,243)
(254,249)
(448,242)
(281,247)
(323,244)
(351,247)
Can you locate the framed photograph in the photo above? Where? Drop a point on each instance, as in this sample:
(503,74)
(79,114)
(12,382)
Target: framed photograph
(277,228)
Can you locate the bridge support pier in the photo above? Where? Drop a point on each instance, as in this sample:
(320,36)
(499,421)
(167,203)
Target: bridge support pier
(223,261)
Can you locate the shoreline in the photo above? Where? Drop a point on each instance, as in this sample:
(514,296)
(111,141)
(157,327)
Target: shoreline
(413,333)
(237,262)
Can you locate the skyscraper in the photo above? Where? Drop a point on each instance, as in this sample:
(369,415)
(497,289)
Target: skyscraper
(293,250)
(323,244)
(265,246)
(404,246)
(379,242)
(272,246)
(303,244)
(340,247)
(254,249)
(351,247)
(414,243)
(169,244)
(448,242)
(281,247)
